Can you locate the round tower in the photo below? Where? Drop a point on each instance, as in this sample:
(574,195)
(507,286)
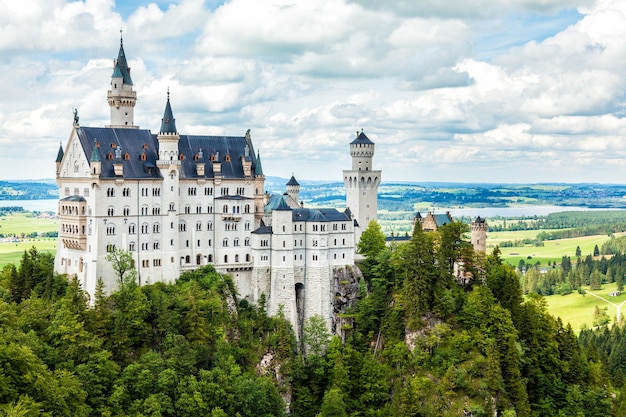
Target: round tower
(121,96)
(293,189)
(479,234)
(361,183)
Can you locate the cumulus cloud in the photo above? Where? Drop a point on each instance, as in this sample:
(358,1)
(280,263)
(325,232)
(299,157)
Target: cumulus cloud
(447,90)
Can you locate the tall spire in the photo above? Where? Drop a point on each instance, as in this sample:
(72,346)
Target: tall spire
(121,69)
(61,153)
(258,169)
(168,123)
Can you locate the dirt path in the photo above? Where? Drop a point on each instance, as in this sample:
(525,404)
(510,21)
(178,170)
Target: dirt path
(618,307)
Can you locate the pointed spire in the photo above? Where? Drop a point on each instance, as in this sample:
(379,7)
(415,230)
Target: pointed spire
(258,169)
(292,181)
(61,153)
(168,123)
(121,69)
(95,153)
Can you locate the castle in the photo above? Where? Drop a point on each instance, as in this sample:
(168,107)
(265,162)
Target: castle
(177,202)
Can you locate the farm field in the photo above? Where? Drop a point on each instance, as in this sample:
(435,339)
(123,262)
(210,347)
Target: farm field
(577,309)
(22,224)
(553,250)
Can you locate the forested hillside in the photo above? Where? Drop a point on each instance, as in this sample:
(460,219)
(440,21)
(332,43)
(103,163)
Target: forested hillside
(422,341)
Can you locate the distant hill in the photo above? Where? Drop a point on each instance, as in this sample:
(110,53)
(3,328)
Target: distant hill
(29,190)
(405,196)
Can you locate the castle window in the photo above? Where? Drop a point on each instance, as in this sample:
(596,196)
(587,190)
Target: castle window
(110,247)
(334,226)
(131,246)
(210,242)
(110,211)
(247,257)
(199,209)
(144,228)
(187,209)
(210,209)
(156,192)
(191,191)
(198,243)
(187,243)
(246,208)
(208,190)
(236,242)
(182,158)
(315,228)
(110,229)
(210,258)
(225,259)
(126,156)
(187,259)
(144,210)
(343,226)
(156,245)
(284,228)
(227,158)
(335,256)
(126,192)
(131,229)
(110,156)
(225,209)
(182,227)
(199,226)
(155,228)
(246,241)
(171,206)
(315,257)
(236,258)
(314,242)
(142,157)
(110,192)
(156,262)
(209,226)
(156,211)
(126,211)
(225,242)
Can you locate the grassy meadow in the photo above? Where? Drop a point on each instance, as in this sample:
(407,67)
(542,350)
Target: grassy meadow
(20,225)
(553,250)
(577,309)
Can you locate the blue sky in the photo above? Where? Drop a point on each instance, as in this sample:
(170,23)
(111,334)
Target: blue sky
(481,91)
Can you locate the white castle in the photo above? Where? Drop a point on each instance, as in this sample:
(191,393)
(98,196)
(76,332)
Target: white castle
(177,202)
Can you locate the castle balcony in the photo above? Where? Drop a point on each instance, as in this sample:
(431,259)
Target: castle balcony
(234,217)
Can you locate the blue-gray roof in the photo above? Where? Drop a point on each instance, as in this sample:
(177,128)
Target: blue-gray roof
(74,198)
(282,205)
(121,66)
(292,181)
(168,123)
(138,142)
(60,153)
(258,169)
(263,230)
(362,139)
(319,215)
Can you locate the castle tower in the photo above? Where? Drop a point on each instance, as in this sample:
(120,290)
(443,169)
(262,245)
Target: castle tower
(479,234)
(362,183)
(293,189)
(121,96)
(168,163)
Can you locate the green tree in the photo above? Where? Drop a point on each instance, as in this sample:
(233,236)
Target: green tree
(123,265)
(596,251)
(578,252)
(333,404)
(316,335)
(372,240)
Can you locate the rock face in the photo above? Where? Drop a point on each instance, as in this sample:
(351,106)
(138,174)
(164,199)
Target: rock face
(345,281)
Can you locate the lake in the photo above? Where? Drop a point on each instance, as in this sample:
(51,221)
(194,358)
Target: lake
(32,205)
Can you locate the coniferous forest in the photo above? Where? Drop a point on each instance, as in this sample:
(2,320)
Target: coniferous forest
(422,339)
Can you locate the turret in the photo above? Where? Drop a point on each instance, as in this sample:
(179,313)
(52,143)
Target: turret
(362,152)
(95,162)
(479,234)
(59,159)
(293,189)
(121,97)
(168,138)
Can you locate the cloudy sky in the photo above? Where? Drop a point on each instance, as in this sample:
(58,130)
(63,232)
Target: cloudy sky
(457,90)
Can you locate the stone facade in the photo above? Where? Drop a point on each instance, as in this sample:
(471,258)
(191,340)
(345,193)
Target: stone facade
(177,202)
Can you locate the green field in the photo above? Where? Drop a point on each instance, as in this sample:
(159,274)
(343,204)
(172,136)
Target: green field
(22,224)
(553,250)
(577,309)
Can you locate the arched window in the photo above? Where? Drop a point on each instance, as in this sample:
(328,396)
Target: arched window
(246,208)
(225,259)
(236,258)
(225,208)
